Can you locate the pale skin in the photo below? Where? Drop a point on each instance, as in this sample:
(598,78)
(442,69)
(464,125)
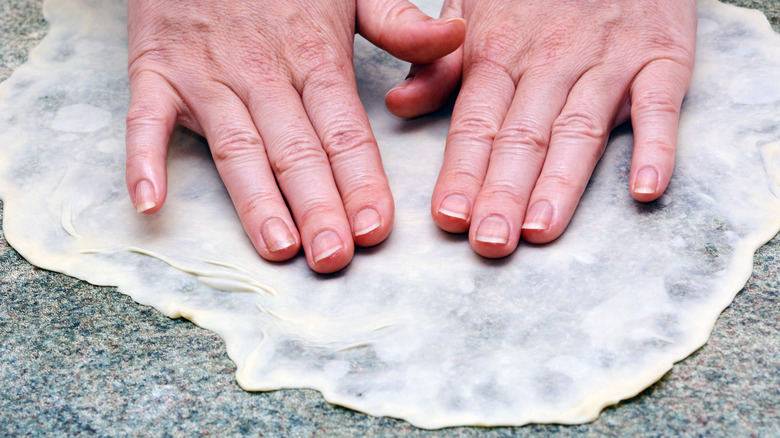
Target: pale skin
(270,86)
(543,84)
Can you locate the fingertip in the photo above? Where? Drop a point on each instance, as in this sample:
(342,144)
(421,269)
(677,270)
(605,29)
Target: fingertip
(329,251)
(453,22)
(278,240)
(446,35)
(372,224)
(146,184)
(540,224)
(410,35)
(452,212)
(365,222)
(540,237)
(647,185)
(492,237)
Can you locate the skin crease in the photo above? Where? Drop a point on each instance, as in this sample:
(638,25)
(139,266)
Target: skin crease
(543,84)
(271,87)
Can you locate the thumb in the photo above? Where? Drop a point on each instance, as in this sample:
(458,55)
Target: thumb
(407,33)
(428,86)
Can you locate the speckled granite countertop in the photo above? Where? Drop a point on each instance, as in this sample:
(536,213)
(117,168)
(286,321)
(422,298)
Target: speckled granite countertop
(75,358)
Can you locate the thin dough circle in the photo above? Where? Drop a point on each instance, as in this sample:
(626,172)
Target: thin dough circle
(419,328)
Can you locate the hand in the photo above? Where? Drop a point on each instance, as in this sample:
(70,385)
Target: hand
(543,84)
(271,87)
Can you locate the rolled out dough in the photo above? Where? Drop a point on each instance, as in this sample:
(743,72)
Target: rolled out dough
(418,328)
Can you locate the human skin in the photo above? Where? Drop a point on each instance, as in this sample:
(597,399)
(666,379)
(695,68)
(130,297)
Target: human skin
(543,84)
(270,84)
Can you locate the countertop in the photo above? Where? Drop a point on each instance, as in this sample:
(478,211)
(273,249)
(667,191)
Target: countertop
(76,358)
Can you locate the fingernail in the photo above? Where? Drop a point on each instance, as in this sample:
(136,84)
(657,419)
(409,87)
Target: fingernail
(402,85)
(646,181)
(325,245)
(455,206)
(444,21)
(277,235)
(366,221)
(493,229)
(539,216)
(144,196)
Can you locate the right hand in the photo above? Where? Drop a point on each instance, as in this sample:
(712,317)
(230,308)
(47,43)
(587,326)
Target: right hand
(544,83)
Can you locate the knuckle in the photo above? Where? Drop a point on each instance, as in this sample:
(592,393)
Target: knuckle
(321,64)
(662,146)
(140,156)
(525,134)
(255,202)
(655,102)
(316,207)
(552,48)
(153,46)
(144,114)
(464,172)
(324,71)
(298,153)
(659,37)
(363,191)
(258,59)
(494,50)
(475,127)
(560,180)
(235,144)
(345,140)
(579,124)
(505,192)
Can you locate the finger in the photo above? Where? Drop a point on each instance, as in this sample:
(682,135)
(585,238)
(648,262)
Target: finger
(519,150)
(305,177)
(345,134)
(404,31)
(428,86)
(154,108)
(579,135)
(241,159)
(483,102)
(656,96)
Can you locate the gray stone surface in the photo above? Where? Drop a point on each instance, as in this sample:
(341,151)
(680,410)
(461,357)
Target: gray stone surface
(80,359)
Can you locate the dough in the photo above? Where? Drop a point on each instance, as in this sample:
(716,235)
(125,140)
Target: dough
(419,328)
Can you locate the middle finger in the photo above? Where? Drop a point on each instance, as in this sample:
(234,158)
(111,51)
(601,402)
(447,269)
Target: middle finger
(517,156)
(304,175)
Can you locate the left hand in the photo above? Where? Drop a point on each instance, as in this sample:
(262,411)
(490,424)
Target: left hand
(543,84)
(271,86)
